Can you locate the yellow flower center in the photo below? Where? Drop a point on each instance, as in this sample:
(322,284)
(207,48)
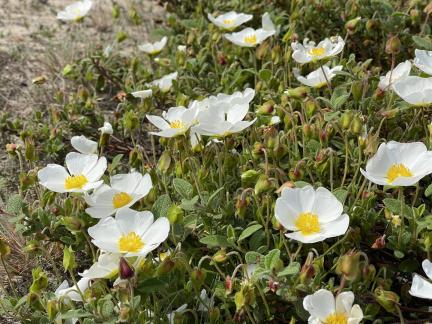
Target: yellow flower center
(251,39)
(130,242)
(121,199)
(307,223)
(396,171)
(176,124)
(228,21)
(336,318)
(316,51)
(75,182)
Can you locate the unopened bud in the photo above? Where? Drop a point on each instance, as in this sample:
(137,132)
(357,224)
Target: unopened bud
(387,299)
(175,214)
(297,93)
(348,265)
(352,24)
(125,270)
(393,45)
(220,256)
(263,185)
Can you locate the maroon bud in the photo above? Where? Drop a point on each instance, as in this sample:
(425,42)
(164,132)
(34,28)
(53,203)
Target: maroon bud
(228,284)
(273,285)
(125,270)
(379,243)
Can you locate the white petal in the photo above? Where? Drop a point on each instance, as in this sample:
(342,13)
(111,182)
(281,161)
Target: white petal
(83,144)
(53,177)
(420,287)
(321,304)
(80,164)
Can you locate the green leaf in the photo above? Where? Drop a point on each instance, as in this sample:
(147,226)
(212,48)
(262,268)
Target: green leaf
(14,204)
(252,257)
(428,191)
(215,241)
(341,194)
(291,269)
(151,285)
(398,254)
(249,231)
(423,42)
(271,259)
(115,162)
(183,188)
(75,313)
(161,206)
(213,199)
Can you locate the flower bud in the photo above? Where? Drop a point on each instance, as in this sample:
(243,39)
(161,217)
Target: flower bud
(165,267)
(310,107)
(228,283)
(249,177)
(351,25)
(198,277)
(267,108)
(257,150)
(348,265)
(379,243)
(221,58)
(73,224)
(40,280)
(276,54)
(220,256)
(11,148)
(297,93)
(393,45)
(345,120)
(125,270)
(263,184)
(241,206)
(356,125)
(262,50)
(52,309)
(30,150)
(371,25)
(175,214)
(387,299)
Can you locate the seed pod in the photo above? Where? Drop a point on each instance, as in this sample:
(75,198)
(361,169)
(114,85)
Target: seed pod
(348,265)
(69,262)
(352,24)
(263,184)
(387,299)
(356,125)
(198,277)
(393,45)
(220,256)
(249,177)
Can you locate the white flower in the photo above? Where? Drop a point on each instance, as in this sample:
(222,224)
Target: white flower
(171,316)
(107,266)
(423,60)
(106,128)
(415,90)
(176,121)
(153,48)
(420,286)
(72,292)
(75,11)
(181,48)
(230,20)
(143,94)
(312,215)
(82,174)
(325,309)
(401,71)
(165,83)
(83,145)
(205,302)
(250,37)
(399,164)
(308,51)
(274,120)
(317,79)
(125,190)
(223,115)
(131,233)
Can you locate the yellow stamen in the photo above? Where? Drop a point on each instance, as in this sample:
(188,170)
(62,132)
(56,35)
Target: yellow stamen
(228,21)
(176,124)
(307,223)
(396,171)
(251,39)
(130,242)
(75,182)
(316,51)
(121,199)
(336,318)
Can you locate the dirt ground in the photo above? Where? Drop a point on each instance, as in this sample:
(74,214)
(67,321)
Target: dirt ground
(33,43)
